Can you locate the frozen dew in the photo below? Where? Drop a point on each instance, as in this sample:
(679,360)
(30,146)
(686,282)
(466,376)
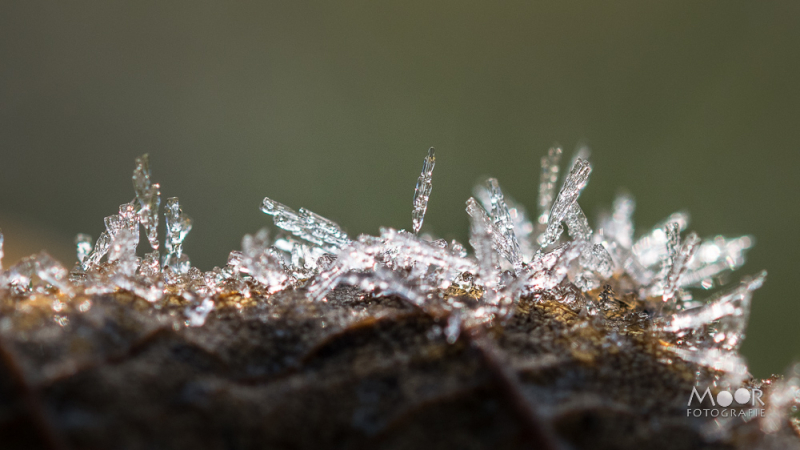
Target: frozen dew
(514,263)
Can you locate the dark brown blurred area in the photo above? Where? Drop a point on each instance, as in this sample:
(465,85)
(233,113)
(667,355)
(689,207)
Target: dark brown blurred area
(332,106)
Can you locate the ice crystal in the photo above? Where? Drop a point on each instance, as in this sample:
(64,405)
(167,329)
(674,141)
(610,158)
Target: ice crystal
(178,226)
(547,183)
(423,190)
(306,225)
(566,207)
(149,198)
(614,282)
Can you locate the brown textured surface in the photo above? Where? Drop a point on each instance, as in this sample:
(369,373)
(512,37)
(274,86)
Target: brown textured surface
(283,373)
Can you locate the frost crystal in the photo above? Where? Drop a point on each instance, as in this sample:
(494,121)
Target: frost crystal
(306,225)
(83,244)
(423,190)
(565,206)
(178,226)
(547,183)
(149,198)
(607,282)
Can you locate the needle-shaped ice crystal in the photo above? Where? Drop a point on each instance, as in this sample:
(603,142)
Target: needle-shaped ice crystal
(651,248)
(713,257)
(148,196)
(177,224)
(547,183)
(83,247)
(430,273)
(100,249)
(727,312)
(675,262)
(577,224)
(565,202)
(523,227)
(305,224)
(485,241)
(620,227)
(502,223)
(423,190)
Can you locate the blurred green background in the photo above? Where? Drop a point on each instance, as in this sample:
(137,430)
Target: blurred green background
(332,106)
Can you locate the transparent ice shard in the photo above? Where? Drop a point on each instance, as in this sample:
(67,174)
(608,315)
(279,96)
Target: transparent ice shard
(549,269)
(582,151)
(83,244)
(122,252)
(502,223)
(523,227)
(650,249)
(52,272)
(714,256)
(177,224)
(675,262)
(100,249)
(358,256)
(485,241)
(150,267)
(721,322)
(547,183)
(423,191)
(619,226)
(596,258)
(263,262)
(577,224)
(306,225)
(148,196)
(19,276)
(567,197)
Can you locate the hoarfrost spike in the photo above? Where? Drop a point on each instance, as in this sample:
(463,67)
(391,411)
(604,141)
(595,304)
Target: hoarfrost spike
(727,311)
(547,183)
(148,196)
(423,190)
(502,223)
(565,202)
(83,244)
(177,226)
(305,224)
(313,255)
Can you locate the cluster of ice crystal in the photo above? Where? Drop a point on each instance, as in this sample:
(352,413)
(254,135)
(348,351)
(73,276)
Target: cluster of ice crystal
(514,260)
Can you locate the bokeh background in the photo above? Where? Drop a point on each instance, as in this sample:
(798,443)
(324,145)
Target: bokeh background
(332,106)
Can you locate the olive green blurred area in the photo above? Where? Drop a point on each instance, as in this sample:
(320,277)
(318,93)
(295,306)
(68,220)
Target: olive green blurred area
(332,106)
